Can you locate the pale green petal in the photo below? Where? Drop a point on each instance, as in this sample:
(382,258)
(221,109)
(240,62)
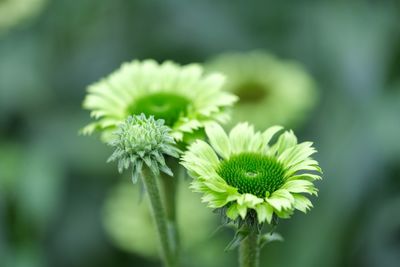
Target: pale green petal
(307,165)
(220,187)
(232,212)
(249,200)
(241,137)
(242,210)
(284,214)
(305,176)
(280,200)
(302,203)
(198,186)
(286,140)
(187,77)
(200,169)
(296,154)
(222,116)
(187,125)
(264,212)
(246,201)
(268,134)
(300,186)
(224,99)
(257,143)
(218,139)
(178,136)
(102,106)
(88,129)
(201,150)
(215,200)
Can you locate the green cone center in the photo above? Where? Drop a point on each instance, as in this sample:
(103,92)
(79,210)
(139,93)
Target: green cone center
(161,105)
(253,173)
(251,92)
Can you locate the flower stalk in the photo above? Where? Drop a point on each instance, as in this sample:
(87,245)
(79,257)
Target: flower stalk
(169,186)
(160,218)
(145,145)
(249,250)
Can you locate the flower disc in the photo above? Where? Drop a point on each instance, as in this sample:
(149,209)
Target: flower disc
(251,92)
(253,173)
(161,105)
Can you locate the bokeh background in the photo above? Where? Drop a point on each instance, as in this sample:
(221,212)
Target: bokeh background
(53,183)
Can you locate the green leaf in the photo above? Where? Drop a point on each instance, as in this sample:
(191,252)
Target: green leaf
(270,237)
(239,236)
(229,225)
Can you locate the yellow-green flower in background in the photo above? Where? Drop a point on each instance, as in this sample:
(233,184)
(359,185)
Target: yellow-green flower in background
(245,174)
(271,91)
(182,96)
(14,12)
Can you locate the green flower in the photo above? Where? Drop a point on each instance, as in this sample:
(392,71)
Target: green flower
(180,95)
(271,91)
(245,174)
(14,12)
(140,139)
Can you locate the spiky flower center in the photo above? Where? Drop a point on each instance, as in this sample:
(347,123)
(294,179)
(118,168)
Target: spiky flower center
(141,134)
(252,173)
(161,105)
(251,92)
(143,141)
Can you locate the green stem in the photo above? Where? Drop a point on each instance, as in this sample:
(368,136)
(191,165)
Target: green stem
(249,250)
(170,185)
(159,214)
(169,188)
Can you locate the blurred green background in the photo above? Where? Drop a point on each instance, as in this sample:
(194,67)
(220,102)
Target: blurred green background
(53,183)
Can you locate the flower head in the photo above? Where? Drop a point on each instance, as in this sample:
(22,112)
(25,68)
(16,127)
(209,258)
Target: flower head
(180,95)
(243,172)
(140,139)
(282,91)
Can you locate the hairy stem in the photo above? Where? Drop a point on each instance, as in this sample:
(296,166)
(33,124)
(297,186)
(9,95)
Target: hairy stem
(160,218)
(249,250)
